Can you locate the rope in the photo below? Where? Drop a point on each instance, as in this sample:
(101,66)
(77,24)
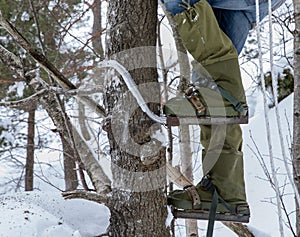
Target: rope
(266,106)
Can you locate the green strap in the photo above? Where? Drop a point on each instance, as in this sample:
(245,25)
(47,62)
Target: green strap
(207,184)
(212,215)
(236,104)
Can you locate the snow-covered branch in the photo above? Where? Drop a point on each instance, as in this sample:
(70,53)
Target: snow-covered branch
(11,60)
(36,54)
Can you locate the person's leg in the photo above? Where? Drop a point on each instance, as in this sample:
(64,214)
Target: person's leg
(235,24)
(211,47)
(201,35)
(228,172)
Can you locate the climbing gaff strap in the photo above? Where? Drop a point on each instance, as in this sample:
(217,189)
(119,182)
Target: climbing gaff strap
(207,81)
(194,195)
(208,185)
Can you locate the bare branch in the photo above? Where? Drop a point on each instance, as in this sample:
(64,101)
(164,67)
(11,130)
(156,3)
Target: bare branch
(24,103)
(82,194)
(13,62)
(100,181)
(36,54)
(37,25)
(46,64)
(80,92)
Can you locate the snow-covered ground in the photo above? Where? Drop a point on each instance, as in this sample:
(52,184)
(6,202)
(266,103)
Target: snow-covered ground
(42,214)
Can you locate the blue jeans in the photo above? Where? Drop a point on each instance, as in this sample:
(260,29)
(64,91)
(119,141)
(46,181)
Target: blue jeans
(235,17)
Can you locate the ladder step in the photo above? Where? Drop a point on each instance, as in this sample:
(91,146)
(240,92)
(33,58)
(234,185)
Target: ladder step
(185,120)
(203,215)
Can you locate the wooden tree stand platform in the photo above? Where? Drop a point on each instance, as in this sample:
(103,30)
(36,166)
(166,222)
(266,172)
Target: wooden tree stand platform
(204,215)
(176,121)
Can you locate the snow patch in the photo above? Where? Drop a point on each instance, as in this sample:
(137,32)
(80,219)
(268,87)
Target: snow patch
(51,5)
(8,136)
(161,135)
(257,232)
(18,87)
(170,217)
(25,16)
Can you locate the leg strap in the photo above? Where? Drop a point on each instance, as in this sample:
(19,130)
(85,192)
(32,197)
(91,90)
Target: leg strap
(208,82)
(207,184)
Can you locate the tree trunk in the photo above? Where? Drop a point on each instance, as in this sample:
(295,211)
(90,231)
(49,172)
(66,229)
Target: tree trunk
(138,203)
(82,153)
(30,151)
(69,153)
(187,170)
(296,143)
(184,132)
(97,28)
(71,180)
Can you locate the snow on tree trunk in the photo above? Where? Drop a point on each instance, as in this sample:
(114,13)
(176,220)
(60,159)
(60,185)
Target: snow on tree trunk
(296,143)
(138,201)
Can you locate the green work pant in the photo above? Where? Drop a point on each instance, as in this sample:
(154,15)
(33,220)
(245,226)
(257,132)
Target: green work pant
(208,44)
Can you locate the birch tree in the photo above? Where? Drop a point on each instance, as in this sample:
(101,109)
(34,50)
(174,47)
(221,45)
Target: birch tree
(296,143)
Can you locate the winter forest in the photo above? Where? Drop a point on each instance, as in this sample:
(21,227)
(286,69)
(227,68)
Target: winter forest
(79,154)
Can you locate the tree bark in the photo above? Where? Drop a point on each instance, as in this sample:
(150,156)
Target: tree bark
(240,229)
(29,167)
(296,143)
(187,170)
(138,203)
